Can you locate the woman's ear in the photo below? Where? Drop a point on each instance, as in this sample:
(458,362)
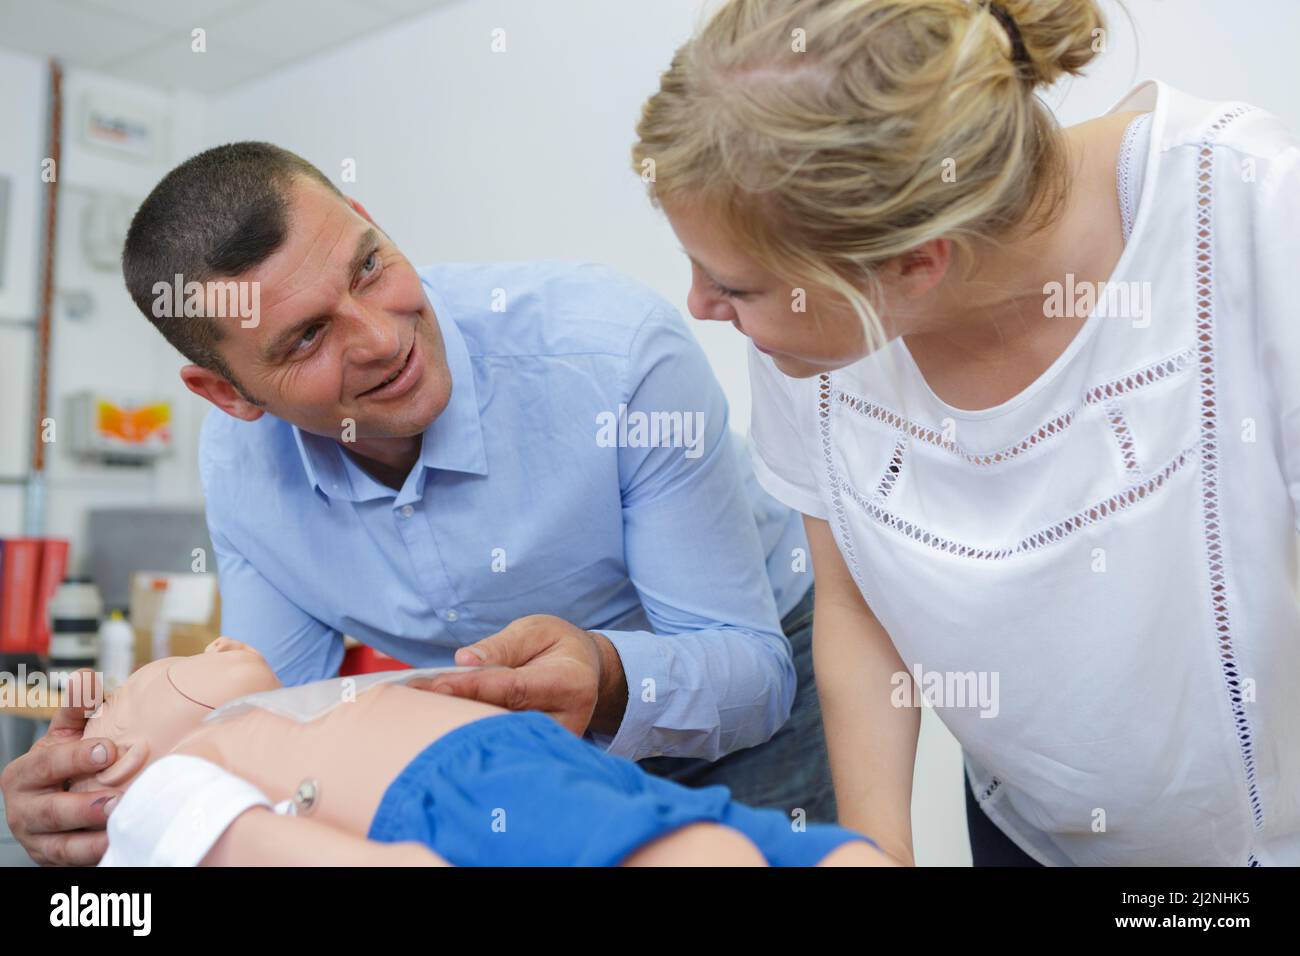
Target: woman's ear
(916,272)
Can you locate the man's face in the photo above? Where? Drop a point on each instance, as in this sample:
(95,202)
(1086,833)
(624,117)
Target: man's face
(341,313)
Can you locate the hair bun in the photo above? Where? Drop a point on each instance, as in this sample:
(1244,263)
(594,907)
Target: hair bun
(1059,36)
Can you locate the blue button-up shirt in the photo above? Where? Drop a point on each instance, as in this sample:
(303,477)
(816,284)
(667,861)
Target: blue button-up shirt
(546,486)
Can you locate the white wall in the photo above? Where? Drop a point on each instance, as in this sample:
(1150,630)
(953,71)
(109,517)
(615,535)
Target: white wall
(113,348)
(1213,49)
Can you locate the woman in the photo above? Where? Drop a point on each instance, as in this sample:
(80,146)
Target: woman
(1037,392)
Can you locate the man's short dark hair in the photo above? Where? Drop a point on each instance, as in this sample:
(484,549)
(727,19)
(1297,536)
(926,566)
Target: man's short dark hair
(212,217)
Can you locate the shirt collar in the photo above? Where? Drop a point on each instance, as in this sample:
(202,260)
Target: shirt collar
(453,442)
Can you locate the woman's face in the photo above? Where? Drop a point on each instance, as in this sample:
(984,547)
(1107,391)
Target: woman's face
(803,338)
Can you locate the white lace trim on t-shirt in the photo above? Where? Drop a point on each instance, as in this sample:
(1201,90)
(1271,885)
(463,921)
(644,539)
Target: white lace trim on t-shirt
(1090,515)
(1211,517)
(1097,395)
(1129,174)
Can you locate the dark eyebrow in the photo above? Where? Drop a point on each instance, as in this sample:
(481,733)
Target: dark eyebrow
(366,245)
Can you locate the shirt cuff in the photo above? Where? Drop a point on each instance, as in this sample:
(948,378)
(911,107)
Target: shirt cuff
(647,685)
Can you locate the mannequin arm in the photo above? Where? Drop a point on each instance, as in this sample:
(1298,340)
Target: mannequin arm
(261,837)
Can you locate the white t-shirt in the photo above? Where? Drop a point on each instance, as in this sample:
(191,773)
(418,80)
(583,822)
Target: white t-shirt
(1115,546)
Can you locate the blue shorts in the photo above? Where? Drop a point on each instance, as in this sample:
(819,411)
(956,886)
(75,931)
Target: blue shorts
(520,790)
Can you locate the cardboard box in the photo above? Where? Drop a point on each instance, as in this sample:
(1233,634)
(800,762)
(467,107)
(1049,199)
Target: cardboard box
(192,604)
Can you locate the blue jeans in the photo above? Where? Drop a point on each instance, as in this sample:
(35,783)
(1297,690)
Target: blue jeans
(791,770)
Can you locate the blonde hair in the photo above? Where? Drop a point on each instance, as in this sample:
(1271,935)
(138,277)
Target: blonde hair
(824,162)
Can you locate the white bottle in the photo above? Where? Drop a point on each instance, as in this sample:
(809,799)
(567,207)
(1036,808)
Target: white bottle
(116,651)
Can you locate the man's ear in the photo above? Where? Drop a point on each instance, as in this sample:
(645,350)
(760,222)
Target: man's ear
(361,211)
(213,386)
(355,204)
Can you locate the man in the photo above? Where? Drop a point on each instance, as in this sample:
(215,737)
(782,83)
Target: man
(523,465)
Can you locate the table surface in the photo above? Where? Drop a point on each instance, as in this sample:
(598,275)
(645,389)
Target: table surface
(29,713)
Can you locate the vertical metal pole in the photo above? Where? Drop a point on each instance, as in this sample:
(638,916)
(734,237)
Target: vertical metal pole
(34,517)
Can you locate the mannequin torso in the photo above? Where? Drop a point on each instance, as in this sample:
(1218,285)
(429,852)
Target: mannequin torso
(350,754)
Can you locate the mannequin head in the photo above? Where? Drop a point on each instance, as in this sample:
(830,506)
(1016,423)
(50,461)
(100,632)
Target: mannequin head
(167,699)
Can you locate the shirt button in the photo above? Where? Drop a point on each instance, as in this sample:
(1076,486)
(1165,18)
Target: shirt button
(451,615)
(407,511)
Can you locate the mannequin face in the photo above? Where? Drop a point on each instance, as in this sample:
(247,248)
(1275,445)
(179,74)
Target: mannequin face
(167,699)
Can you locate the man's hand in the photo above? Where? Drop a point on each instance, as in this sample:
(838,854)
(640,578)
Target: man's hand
(547,664)
(56,827)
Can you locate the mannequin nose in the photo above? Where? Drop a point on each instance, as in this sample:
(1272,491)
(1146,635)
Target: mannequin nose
(224,644)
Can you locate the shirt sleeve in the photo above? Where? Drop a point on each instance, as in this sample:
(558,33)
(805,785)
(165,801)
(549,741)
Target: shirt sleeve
(716,674)
(778,442)
(298,647)
(1277,254)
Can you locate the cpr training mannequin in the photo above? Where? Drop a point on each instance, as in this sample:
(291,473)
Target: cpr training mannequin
(399,776)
